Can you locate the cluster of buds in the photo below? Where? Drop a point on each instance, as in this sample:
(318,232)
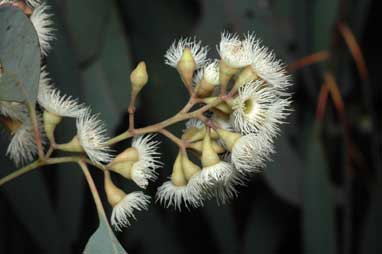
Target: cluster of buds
(242,98)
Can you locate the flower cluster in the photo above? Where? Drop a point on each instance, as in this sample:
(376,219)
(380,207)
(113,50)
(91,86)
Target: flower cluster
(236,138)
(241,100)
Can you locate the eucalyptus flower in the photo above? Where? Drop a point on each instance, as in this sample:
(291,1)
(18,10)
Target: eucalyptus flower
(91,134)
(175,52)
(42,22)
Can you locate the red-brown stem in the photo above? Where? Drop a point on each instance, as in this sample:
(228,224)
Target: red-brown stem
(173,138)
(37,134)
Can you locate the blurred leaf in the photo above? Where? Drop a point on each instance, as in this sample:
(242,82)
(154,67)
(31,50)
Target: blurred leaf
(318,206)
(4,228)
(225,233)
(103,50)
(103,241)
(370,242)
(86,20)
(19,56)
(63,67)
(263,230)
(29,198)
(150,234)
(284,172)
(324,18)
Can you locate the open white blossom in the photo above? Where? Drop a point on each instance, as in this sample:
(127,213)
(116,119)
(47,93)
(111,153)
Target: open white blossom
(42,22)
(143,170)
(215,173)
(224,191)
(250,153)
(34,3)
(22,147)
(171,195)
(51,99)
(196,123)
(211,72)
(174,53)
(91,134)
(258,108)
(266,65)
(235,52)
(124,210)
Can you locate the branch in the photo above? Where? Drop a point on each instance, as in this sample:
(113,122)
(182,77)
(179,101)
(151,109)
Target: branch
(93,188)
(37,164)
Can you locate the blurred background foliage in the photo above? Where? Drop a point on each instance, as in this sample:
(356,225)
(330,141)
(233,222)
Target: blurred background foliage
(320,194)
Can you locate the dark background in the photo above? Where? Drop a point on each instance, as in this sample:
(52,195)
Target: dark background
(320,194)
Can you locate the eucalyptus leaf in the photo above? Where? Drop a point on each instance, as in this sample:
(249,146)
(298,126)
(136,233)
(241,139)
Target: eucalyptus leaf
(30,203)
(284,172)
(318,206)
(264,229)
(9,88)
(88,35)
(323,27)
(103,241)
(19,56)
(225,233)
(372,226)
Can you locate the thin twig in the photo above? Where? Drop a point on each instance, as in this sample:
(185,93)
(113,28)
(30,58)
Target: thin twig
(37,164)
(308,60)
(93,188)
(173,138)
(354,48)
(37,134)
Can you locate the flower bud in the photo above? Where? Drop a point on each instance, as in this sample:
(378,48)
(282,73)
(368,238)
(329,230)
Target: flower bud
(223,107)
(177,176)
(138,78)
(130,154)
(123,162)
(198,146)
(51,121)
(186,67)
(209,156)
(122,168)
(113,193)
(194,134)
(72,146)
(229,138)
(245,76)
(204,89)
(189,168)
(225,73)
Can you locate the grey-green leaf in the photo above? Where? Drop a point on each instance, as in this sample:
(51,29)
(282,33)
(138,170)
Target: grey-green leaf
(19,56)
(318,206)
(103,241)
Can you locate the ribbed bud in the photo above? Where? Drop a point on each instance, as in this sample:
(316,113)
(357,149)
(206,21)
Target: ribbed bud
(177,176)
(198,146)
(138,78)
(245,76)
(225,73)
(204,88)
(73,146)
(229,138)
(223,107)
(209,156)
(113,193)
(51,121)
(186,67)
(189,168)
